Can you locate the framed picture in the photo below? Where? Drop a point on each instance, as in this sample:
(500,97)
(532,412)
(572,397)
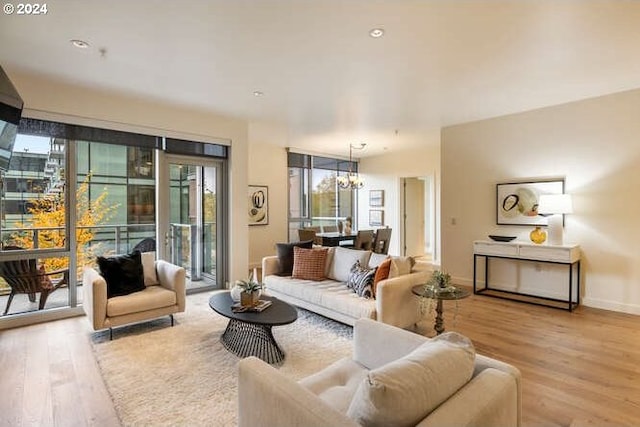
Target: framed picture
(517,202)
(376,198)
(376,217)
(258,205)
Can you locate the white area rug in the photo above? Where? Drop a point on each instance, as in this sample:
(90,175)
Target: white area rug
(182,376)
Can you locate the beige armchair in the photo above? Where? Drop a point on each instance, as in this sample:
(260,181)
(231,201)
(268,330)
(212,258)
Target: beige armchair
(165,298)
(395,377)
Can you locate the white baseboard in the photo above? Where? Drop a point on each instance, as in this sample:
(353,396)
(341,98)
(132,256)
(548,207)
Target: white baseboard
(611,305)
(586,301)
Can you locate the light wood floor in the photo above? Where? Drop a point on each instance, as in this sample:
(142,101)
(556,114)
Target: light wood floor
(581,367)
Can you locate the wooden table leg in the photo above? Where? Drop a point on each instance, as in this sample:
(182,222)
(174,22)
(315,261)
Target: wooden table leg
(439,326)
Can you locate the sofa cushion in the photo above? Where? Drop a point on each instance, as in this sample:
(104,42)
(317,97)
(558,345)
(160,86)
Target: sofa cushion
(123,273)
(382,273)
(405,391)
(342,261)
(325,293)
(309,264)
(149,268)
(337,383)
(285,255)
(150,298)
(361,280)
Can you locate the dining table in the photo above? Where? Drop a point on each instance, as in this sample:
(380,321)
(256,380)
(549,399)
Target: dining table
(336,238)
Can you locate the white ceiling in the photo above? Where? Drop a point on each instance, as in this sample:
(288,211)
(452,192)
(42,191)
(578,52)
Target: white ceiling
(441,62)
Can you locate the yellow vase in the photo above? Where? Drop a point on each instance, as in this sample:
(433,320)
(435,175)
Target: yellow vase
(538,235)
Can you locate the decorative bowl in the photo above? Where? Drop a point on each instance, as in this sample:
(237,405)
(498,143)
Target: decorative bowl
(501,238)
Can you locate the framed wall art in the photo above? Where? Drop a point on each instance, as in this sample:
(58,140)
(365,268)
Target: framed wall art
(258,205)
(376,198)
(376,217)
(517,202)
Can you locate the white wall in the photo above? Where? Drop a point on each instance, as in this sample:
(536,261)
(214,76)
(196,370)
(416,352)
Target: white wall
(595,145)
(56,100)
(385,172)
(268,166)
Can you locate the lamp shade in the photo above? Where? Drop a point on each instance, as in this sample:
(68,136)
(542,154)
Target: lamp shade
(555,204)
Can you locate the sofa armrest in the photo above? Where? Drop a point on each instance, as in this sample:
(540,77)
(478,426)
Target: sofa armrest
(270,266)
(489,399)
(484,363)
(268,398)
(173,277)
(395,303)
(94,299)
(376,344)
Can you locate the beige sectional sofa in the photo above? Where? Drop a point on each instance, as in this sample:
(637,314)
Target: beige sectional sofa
(394,378)
(394,303)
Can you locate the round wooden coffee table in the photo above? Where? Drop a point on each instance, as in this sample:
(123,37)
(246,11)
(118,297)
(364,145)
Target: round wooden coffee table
(249,333)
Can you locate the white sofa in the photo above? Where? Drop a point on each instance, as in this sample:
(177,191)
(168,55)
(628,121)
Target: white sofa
(394,303)
(395,377)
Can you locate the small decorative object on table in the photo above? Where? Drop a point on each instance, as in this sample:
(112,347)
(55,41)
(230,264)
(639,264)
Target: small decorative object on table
(497,238)
(538,235)
(347,225)
(260,306)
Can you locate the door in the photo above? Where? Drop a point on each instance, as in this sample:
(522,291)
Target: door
(192,189)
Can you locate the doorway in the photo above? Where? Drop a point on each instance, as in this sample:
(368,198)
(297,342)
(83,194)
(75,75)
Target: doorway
(417,228)
(192,188)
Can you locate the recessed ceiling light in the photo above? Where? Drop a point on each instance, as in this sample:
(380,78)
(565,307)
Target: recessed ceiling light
(79,43)
(257,93)
(376,33)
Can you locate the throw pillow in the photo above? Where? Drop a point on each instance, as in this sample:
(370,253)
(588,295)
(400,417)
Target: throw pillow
(343,260)
(308,264)
(123,274)
(401,265)
(285,255)
(405,391)
(377,259)
(149,268)
(382,273)
(361,280)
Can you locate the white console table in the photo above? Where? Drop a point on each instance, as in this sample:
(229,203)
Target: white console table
(568,255)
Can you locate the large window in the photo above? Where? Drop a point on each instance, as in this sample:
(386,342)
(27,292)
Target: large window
(109,178)
(315,199)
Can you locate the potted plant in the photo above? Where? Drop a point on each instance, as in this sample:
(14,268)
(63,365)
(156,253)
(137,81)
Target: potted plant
(250,292)
(438,283)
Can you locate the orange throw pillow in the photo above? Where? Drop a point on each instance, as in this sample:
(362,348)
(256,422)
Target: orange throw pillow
(382,273)
(308,264)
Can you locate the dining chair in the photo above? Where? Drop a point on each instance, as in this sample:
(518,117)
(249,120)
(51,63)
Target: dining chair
(364,240)
(381,241)
(305,234)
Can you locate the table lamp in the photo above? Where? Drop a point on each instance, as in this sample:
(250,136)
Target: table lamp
(555,205)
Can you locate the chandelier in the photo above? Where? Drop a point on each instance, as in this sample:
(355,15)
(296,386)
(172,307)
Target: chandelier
(352,180)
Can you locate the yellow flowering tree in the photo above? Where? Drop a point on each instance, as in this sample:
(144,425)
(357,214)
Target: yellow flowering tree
(48,217)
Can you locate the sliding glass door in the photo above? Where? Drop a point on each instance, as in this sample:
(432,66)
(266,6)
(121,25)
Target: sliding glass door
(194,202)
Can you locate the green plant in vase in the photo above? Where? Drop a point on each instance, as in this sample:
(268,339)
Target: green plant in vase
(439,283)
(251,290)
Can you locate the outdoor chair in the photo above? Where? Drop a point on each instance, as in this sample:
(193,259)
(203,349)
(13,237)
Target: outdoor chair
(148,244)
(24,276)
